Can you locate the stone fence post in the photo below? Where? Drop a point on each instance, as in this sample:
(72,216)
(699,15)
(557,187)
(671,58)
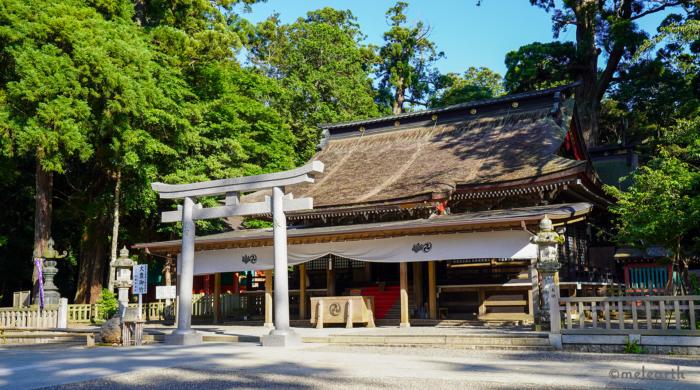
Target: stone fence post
(554,318)
(62,320)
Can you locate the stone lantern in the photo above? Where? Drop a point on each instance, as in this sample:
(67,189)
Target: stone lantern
(547,264)
(51,294)
(123,282)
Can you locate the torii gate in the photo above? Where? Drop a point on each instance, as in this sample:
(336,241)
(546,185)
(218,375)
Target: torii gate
(282,335)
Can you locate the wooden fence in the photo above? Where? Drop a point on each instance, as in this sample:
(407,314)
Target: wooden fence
(655,315)
(24,318)
(83,313)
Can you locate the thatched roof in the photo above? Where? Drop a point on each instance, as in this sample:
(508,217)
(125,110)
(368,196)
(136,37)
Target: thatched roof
(423,158)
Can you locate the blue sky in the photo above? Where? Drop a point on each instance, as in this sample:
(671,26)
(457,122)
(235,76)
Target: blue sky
(469,35)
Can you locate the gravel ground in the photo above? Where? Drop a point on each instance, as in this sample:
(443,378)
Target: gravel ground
(185,378)
(693,361)
(451,330)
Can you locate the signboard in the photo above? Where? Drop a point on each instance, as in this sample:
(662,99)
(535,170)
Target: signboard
(166,292)
(131,314)
(140,285)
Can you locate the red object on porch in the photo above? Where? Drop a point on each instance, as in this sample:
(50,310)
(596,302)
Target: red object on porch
(383,300)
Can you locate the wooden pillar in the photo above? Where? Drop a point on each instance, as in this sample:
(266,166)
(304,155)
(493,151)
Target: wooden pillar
(217,298)
(432,290)
(403,277)
(368,272)
(302,291)
(268,300)
(418,285)
(482,299)
(330,278)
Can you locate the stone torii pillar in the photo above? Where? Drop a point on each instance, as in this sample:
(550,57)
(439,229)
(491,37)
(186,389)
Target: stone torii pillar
(282,335)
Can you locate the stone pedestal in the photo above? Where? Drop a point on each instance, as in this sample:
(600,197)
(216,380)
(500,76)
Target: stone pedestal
(285,338)
(123,299)
(187,338)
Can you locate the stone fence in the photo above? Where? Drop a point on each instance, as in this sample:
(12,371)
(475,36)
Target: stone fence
(660,324)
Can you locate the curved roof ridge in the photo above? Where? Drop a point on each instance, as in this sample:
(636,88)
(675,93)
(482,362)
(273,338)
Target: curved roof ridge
(450,108)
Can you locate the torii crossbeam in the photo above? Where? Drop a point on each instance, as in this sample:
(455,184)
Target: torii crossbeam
(282,335)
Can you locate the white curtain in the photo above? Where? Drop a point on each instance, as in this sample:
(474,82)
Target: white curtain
(512,244)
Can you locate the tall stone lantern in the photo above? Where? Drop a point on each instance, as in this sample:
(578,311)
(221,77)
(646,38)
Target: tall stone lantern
(547,264)
(123,282)
(51,294)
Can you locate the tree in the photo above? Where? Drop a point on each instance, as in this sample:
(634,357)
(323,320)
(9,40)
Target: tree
(482,77)
(662,208)
(322,67)
(476,84)
(602,27)
(406,60)
(539,66)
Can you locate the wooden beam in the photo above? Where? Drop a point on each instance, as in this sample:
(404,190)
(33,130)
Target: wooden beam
(418,285)
(403,277)
(368,272)
(302,291)
(217,298)
(432,292)
(268,299)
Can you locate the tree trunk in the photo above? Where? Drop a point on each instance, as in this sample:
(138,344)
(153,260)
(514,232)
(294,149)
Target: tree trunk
(140,12)
(94,251)
(115,226)
(42,216)
(399,98)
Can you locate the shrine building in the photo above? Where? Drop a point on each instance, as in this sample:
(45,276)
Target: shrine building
(437,206)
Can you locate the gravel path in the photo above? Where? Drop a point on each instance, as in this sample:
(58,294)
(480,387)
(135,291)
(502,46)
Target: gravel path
(186,378)
(692,361)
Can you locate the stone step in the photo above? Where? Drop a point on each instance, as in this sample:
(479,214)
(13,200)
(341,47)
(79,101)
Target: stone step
(468,340)
(455,346)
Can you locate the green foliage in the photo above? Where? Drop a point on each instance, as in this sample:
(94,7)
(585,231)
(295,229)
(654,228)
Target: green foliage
(661,208)
(107,304)
(322,71)
(406,63)
(633,347)
(251,223)
(476,84)
(539,66)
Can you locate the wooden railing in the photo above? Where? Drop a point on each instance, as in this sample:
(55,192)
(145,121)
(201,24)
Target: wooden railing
(23,318)
(656,315)
(83,313)
(202,306)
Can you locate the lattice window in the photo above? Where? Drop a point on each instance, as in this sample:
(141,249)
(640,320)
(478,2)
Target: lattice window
(581,239)
(344,263)
(318,264)
(471,261)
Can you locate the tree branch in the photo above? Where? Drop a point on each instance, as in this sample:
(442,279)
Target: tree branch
(566,22)
(634,76)
(655,10)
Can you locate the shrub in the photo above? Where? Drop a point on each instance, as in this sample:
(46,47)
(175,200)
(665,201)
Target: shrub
(107,304)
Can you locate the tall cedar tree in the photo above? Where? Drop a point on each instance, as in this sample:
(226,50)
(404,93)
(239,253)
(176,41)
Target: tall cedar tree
(405,63)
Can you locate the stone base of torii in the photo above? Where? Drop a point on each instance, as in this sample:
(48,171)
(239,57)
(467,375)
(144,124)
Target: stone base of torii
(282,335)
